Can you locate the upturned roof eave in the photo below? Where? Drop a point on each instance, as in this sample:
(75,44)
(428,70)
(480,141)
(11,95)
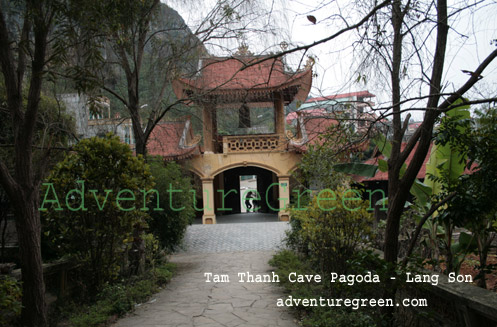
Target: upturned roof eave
(302,79)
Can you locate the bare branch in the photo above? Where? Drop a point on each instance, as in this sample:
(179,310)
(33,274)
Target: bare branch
(7,181)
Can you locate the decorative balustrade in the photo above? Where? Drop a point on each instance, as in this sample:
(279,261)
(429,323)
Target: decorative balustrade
(252,143)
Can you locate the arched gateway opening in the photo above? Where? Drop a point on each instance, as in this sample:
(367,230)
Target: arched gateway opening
(245,194)
(225,191)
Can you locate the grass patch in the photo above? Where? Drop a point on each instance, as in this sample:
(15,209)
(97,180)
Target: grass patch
(117,299)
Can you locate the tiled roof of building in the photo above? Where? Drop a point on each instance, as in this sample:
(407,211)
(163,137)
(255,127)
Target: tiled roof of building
(309,112)
(318,125)
(173,140)
(228,76)
(364,94)
(311,128)
(383,176)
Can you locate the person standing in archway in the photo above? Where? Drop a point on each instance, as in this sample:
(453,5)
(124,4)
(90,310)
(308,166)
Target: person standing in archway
(248,198)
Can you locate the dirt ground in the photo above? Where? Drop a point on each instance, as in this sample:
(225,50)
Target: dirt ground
(470,267)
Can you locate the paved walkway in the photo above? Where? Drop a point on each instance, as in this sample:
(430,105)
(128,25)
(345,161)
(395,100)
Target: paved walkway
(234,237)
(188,300)
(249,217)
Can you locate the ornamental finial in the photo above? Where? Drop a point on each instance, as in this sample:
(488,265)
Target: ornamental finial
(243,50)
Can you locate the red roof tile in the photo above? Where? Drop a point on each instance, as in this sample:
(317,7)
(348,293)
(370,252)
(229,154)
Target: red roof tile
(383,176)
(364,94)
(314,126)
(225,75)
(309,112)
(166,138)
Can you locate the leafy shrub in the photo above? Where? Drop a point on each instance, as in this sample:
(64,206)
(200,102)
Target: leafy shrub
(169,225)
(294,236)
(324,317)
(331,229)
(96,316)
(141,290)
(10,300)
(288,261)
(153,252)
(96,237)
(118,299)
(366,261)
(317,166)
(163,273)
(330,236)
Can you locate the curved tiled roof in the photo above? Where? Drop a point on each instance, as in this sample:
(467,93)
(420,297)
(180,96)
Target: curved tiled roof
(245,78)
(173,140)
(311,128)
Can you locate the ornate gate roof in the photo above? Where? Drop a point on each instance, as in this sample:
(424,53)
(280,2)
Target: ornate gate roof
(244,79)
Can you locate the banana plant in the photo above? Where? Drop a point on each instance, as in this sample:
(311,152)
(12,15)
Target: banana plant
(443,169)
(418,189)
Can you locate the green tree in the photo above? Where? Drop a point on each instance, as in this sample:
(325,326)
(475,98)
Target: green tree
(173,187)
(318,164)
(95,225)
(146,43)
(29,47)
(473,205)
(390,37)
(332,228)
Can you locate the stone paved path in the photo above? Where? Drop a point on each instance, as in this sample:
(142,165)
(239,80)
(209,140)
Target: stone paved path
(251,217)
(188,300)
(234,237)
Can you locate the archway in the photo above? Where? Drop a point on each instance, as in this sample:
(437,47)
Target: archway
(210,168)
(230,195)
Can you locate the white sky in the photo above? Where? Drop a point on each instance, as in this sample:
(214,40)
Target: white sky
(469,44)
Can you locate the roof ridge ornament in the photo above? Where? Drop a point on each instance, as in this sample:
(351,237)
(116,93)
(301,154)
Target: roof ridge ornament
(243,50)
(303,131)
(310,62)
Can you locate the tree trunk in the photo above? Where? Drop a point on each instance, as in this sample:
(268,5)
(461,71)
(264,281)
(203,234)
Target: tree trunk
(398,187)
(140,146)
(29,233)
(22,187)
(482,253)
(482,282)
(449,256)
(395,194)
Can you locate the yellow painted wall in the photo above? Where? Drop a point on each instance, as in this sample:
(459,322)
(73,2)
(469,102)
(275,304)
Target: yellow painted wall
(209,165)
